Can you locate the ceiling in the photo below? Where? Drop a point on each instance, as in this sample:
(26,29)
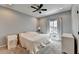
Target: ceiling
(51,9)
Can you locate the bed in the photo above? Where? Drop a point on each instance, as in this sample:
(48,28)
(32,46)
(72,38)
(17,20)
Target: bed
(33,41)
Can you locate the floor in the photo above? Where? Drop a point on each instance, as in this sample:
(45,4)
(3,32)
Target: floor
(53,48)
(18,50)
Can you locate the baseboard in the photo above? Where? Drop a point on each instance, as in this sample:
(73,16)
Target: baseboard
(3,46)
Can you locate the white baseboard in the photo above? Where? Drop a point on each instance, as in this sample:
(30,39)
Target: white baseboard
(3,46)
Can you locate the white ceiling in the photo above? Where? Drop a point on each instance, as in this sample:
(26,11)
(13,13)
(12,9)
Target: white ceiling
(51,9)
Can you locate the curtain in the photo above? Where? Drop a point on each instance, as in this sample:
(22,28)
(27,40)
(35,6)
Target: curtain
(60,26)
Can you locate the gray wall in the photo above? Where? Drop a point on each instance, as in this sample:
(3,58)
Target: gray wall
(44,25)
(74,20)
(75,23)
(66,19)
(12,22)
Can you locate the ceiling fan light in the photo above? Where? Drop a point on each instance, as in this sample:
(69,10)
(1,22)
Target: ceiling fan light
(40,12)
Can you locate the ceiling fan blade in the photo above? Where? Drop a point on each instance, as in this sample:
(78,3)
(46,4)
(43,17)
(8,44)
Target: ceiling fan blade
(35,10)
(44,9)
(40,12)
(41,5)
(33,7)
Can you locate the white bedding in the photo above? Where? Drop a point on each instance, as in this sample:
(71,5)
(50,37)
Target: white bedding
(33,40)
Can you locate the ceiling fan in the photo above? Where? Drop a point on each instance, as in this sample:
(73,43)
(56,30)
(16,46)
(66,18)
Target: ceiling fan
(38,8)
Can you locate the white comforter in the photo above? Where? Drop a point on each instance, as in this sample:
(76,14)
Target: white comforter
(32,41)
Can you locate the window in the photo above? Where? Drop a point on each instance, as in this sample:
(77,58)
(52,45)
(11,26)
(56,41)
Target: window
(53,29)
(53,26)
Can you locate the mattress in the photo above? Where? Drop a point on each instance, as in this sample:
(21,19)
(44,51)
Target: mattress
(33,41)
